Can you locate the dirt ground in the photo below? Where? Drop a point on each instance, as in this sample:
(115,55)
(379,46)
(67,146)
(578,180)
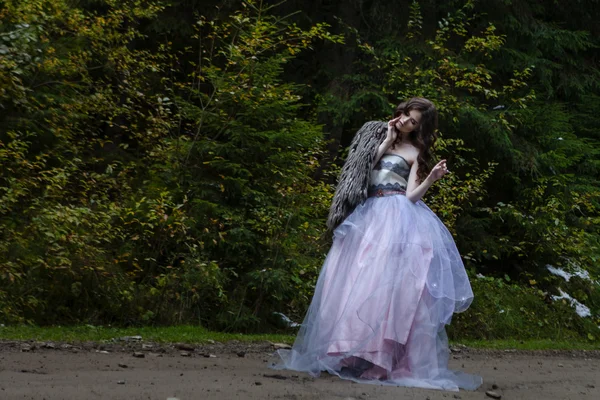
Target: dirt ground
(140,370)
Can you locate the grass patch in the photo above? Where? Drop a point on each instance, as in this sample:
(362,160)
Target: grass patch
(187,334)
(529,344)
(508,313)
(194,334)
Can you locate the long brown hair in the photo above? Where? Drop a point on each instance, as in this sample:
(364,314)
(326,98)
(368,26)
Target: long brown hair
(424,137)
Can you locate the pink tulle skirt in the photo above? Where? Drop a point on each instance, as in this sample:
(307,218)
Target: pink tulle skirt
(391,282)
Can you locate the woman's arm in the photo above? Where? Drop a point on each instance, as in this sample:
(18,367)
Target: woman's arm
(390,138)
(382,149)
(416,190)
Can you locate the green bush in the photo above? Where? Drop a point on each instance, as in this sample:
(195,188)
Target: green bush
(134,195)
(161,173)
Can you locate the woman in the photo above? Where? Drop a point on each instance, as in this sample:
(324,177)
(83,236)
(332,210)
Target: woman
(393,277)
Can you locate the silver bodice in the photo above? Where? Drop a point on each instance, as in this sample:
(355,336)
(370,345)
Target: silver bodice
(390,173)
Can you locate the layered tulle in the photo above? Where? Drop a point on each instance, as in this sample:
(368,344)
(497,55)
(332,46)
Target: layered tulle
(390,283)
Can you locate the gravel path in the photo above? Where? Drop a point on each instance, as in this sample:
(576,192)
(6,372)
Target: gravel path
(141,370)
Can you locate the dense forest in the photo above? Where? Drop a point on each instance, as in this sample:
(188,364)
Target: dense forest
(170,162)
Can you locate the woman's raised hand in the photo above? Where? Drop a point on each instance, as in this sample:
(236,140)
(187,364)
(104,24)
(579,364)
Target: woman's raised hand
(439,170)
(392,133)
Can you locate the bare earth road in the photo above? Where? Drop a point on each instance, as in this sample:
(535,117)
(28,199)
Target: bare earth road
(30,370)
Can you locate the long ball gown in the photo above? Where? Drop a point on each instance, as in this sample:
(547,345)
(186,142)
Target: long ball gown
(391,282)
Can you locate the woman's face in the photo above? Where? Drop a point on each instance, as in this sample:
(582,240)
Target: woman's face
(408,122)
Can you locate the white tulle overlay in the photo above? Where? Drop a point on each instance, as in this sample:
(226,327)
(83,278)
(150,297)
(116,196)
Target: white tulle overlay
(390,283)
